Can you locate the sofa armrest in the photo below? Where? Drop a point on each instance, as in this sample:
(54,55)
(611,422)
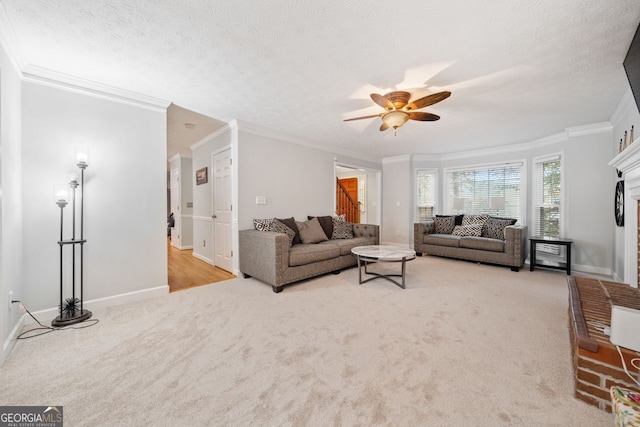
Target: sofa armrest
(367,230)
(263,255)
(420,229)
(516,241)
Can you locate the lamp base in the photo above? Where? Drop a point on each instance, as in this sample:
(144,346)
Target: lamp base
(71,319)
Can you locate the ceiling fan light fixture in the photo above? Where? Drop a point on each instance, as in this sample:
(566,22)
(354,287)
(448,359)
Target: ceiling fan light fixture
(395,119)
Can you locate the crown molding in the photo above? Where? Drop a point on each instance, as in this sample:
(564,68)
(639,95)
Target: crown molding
(213,135)
(397,159)
(281,136)
(426,157)
(591,129)
(51,78)
(567,134)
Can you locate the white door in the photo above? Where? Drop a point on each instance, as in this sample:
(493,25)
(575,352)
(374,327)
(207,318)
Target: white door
(222,217)
(175,208)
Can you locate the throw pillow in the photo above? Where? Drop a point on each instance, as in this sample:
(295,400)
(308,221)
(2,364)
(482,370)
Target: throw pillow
(494,227)
(311,231)
(279,227)
(263,224)
(326,223)
(458,218)
(512,220)
(444,224)
(475,219)
(474,230)
(341,228)
(291,223)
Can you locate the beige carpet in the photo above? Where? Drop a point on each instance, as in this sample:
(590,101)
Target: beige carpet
(464,344)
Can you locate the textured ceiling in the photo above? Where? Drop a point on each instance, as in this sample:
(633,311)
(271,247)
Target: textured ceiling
(518,69)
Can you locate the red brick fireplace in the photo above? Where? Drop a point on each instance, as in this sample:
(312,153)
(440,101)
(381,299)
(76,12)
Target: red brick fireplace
(596,362)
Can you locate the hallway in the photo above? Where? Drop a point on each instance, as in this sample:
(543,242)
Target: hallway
(187,271)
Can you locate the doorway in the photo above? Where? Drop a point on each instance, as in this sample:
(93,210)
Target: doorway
(364,187)
(222,207)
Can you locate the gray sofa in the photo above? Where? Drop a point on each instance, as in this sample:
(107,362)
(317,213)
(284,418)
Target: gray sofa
(268,257)
(509,252)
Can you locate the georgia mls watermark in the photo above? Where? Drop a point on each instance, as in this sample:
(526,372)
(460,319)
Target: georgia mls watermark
(31,416)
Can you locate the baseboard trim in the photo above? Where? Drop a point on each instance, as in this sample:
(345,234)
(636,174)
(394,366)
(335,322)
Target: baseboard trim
(203,258)
(11,339)
(185,248)
(48,314)
(593,270)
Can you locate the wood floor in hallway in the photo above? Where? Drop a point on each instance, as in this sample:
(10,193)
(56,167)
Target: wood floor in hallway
(187,271)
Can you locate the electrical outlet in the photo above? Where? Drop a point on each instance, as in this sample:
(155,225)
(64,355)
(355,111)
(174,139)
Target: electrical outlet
(10,299)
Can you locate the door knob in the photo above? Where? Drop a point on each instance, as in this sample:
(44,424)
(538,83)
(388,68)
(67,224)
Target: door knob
(214,216)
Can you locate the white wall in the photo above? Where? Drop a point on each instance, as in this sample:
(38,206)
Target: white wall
(125,195)
(625,116)
(297,180)
(397,184)
(11,223)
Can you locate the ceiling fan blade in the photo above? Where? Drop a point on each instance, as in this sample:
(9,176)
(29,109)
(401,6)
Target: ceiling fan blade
(363,117)
(382,101)
(423,117)
(428,100)
(384,127)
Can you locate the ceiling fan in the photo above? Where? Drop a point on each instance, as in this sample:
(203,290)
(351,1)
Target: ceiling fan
(398,109)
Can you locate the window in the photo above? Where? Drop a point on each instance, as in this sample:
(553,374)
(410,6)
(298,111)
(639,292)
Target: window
(426,194)
(547,197)
(493,189)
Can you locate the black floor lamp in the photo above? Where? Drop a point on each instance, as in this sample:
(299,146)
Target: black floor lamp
(71,310)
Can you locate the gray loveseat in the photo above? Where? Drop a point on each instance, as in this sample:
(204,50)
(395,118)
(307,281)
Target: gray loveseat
(268,256)
(509,252)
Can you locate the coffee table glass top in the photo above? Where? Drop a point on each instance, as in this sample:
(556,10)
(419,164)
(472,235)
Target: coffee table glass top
(384,252)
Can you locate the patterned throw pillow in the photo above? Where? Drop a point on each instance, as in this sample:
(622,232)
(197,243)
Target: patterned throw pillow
(444,224)
(263,224)
(341,228)
(494,228)
(475,219)
(473,230)
(279,227)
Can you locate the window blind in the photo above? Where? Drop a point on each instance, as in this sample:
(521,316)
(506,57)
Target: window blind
(493,190)
(547,201)
(425,197)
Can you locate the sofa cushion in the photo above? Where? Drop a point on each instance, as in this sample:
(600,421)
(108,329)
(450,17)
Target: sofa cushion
(306,254)
(311,232)
(341,229)
(468,230)
(442,240)
(279,227)
(291,223)
(482,243)
(444,224)
(494,228)
(326,222)
(346,245)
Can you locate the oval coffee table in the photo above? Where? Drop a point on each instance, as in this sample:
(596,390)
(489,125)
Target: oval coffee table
(382,253)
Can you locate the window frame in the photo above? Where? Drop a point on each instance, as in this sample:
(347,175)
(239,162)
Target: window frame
(562,229)
(494,165)
(434,173)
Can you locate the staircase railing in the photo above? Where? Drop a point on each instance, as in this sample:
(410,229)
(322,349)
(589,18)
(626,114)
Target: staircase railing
(346,205)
